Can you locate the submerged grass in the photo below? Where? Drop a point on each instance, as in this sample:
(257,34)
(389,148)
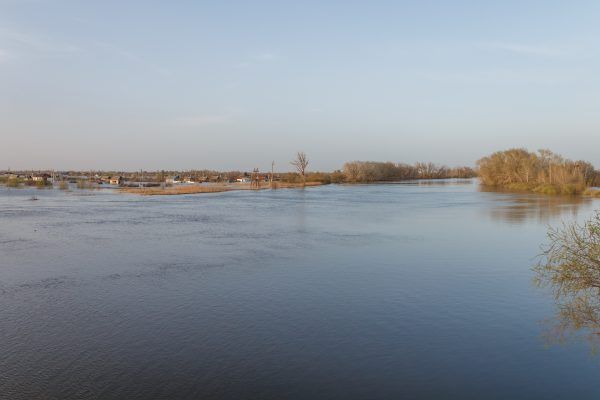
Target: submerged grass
(592,193)
(569,189)
(63,185)
(550,189)
(166,191)
(12,182)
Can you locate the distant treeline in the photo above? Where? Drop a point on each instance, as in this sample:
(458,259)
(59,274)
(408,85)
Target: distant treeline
(371,171)
(542,171)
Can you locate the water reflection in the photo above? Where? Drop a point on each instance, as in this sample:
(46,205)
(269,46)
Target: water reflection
(570,267)
(529,207)
(431,182)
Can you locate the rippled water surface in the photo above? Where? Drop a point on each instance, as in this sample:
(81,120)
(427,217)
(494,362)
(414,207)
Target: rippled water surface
(349,292)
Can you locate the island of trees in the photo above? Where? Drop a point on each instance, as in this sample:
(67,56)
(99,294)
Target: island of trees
(541,172)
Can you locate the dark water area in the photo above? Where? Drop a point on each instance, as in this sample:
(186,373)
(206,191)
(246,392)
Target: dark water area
(406,291)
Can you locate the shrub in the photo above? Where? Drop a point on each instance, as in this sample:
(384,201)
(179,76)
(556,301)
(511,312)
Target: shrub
(337,177)
(570,267)
(12,182)
(320,177)
(85,185)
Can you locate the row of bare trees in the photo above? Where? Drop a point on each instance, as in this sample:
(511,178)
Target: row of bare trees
(519,166)
(372,171)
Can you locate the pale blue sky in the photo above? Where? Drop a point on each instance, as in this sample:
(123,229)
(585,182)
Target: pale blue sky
(236,84)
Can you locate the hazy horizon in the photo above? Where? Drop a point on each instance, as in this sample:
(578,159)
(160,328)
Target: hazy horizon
(232,86)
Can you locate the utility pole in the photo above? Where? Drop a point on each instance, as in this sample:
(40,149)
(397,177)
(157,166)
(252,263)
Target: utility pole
(272,172)
(255,179)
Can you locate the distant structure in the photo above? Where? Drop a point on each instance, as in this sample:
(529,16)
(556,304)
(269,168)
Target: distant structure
(116,180)
(255,179)
(40,177)
(174,180)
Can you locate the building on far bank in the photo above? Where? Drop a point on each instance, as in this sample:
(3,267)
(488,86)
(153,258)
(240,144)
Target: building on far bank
(116,180)
(173,180)
(40,178)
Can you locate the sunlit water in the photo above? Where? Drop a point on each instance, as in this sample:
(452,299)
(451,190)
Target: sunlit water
(349,292)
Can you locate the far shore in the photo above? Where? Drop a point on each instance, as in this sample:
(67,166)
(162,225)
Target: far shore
(184,189)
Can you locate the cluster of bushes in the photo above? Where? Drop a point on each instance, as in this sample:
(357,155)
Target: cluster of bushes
(63,185)
(35,183)
(542,172)
(84,184)
(12,182)
(596,181)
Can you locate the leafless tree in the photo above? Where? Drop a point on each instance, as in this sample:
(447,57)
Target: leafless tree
(300,163)
(570,267)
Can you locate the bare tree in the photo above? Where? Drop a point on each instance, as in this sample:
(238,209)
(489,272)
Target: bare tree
(300,163)
(570,267)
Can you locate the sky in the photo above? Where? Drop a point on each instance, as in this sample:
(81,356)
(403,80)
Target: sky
(129,85)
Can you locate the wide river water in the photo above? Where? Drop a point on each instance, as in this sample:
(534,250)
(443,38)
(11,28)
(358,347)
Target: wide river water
(339,292)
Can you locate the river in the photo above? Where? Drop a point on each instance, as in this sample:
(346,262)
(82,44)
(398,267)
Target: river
(416,290)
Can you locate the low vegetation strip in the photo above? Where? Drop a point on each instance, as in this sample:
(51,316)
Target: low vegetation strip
(194,189)
(592,193)
(159,191)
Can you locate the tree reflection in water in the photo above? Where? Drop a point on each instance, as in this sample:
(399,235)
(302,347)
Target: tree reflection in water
(570,267)
(518,207)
